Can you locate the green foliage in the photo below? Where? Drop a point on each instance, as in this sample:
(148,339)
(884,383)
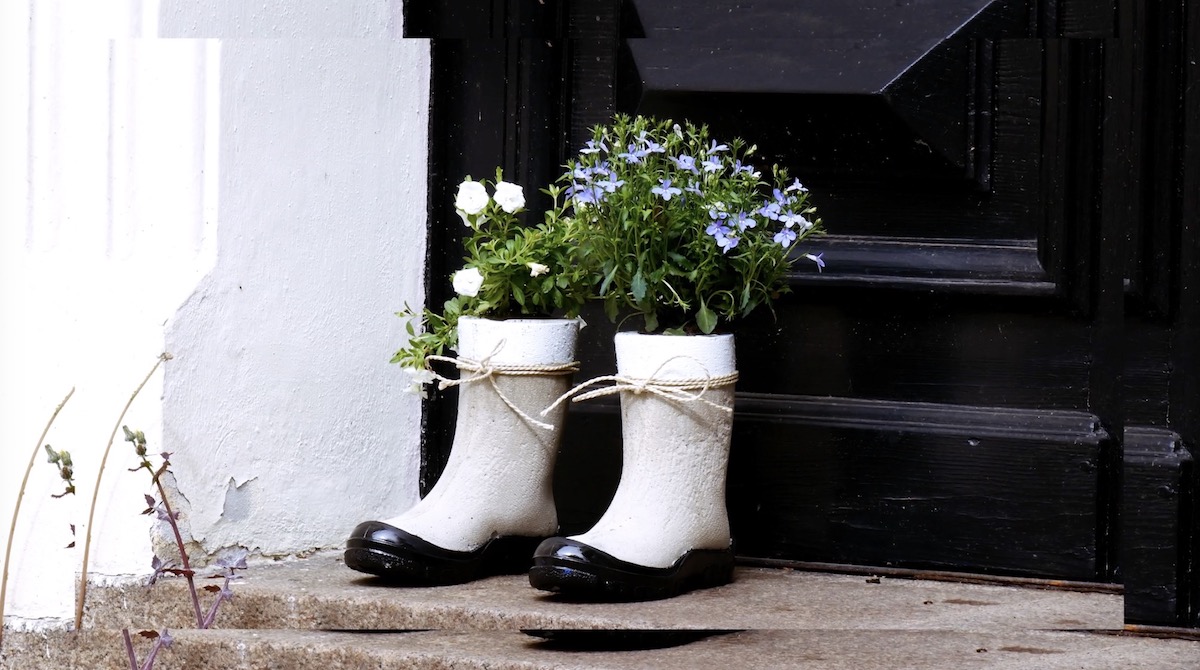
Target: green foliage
(678,228)
(522,271)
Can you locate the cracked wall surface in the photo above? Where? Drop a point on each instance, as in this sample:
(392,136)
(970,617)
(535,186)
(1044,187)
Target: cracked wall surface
(243,186)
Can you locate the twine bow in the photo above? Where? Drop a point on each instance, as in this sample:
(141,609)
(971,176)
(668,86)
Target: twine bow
(484,369)
(678,390)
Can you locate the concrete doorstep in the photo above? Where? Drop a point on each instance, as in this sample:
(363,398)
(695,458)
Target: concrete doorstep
(300,614)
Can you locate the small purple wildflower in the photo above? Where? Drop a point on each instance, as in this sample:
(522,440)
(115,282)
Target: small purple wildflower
(609,185)
(686,163)
(785,237)
(790,218)
(665,190)
(711,164)
(633,154)
(716,229)
(770,210)
(797,186)
(714,147)
(748,169)
(592,147)
(692,187)
(744,221)
(817,259)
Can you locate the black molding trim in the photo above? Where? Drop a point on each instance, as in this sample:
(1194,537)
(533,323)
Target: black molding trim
(1159,494)
(1000,267)
(1063,426)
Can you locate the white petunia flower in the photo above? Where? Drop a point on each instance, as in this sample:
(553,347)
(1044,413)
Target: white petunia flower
(472,197)
(510,197)
(467,282)
(418,378)
(537,269)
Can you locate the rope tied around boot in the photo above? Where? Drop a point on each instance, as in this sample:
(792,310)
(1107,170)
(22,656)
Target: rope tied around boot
(690,389)
(484,369)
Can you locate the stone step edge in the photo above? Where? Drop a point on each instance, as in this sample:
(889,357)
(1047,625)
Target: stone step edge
(320,593)
(495,650)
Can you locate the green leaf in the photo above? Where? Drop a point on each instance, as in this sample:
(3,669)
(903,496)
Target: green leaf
(518,294)
(608,280)
(638,287)
(651,322)
(706,319)
(611,308)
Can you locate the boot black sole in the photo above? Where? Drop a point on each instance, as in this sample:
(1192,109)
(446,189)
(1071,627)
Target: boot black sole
(403,559)
(577,571)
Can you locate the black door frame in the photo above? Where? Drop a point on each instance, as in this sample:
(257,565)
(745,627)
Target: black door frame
(1122,74)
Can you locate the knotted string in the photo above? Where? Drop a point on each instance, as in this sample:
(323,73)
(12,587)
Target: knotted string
(484,369)
(678,390)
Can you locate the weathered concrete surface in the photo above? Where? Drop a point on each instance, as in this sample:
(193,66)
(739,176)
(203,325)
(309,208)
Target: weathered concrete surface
(287,615)
(503,650)
(320,593)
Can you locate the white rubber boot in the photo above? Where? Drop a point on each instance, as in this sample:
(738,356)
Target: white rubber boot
(667,528)
(494,501)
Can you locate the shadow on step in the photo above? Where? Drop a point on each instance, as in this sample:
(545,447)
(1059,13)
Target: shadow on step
(619,640)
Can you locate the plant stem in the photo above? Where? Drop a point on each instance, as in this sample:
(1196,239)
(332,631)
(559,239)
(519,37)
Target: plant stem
(212,611)
(153,654)
(87,545)
(17,510)
(187,568)
(133,664)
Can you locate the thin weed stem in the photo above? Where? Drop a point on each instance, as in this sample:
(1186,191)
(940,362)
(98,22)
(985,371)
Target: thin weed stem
(187,567)
(133,664)
(87,544)
(17,510)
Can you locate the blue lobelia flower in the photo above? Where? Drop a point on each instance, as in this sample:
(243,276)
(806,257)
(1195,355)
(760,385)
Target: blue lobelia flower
(717,214)
(592,147)
(692,187)
(744,221)
(686,163)
(711,164)
(716,229)
(726,242)
(785,237)
(585,194)
(714,147)
(770,210)
(790,218)
(633,154)
(797,186)
(748,169)
(610,185)
(665,190)
(817,259)
(653,147)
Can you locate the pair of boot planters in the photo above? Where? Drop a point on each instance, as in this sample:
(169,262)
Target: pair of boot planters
(492,511)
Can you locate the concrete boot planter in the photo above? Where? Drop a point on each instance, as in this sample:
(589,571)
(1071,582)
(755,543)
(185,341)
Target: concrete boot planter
(493,503)
(667,528)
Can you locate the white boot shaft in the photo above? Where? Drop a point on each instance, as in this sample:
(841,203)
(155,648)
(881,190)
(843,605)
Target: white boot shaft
(498,479)
(671,497)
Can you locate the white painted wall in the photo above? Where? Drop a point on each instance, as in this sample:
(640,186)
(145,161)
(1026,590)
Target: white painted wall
(169,180)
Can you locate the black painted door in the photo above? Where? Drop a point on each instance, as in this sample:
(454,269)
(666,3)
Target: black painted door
(997,370)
